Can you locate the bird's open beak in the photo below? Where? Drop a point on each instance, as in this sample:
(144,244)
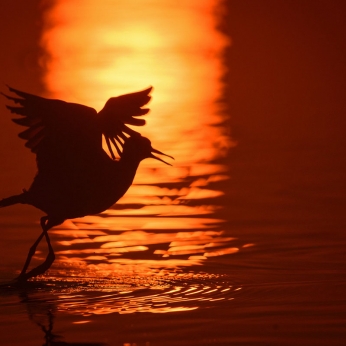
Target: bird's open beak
(160,153)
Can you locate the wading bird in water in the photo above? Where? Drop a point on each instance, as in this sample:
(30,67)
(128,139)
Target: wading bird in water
(75,175)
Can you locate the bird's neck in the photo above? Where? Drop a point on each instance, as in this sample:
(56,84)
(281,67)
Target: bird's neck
(128,168)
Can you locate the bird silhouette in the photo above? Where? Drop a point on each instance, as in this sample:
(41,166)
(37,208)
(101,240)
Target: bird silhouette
(76,177)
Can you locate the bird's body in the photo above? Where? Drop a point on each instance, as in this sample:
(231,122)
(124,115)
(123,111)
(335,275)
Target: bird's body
(75,175)
(84,184)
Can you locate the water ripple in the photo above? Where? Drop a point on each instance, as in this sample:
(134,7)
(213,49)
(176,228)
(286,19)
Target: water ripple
(130,294)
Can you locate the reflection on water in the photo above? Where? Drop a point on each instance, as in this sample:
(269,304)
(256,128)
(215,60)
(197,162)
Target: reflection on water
(42,312)
(94,52)
(165,226)
(129,294)
(86,300)
(186,242)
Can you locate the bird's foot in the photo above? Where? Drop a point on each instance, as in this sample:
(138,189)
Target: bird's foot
(22,278)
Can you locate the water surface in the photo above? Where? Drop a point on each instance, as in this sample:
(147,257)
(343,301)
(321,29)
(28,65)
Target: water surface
(211,251)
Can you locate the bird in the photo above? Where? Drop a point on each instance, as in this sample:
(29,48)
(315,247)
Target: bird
(75,175)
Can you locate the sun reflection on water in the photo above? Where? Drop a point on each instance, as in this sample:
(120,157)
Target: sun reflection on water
(126,295)
(94,52)
(166,221)
(144,245)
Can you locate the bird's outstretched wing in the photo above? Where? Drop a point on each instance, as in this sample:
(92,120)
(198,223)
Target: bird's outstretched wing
(119,111)
(56,120)
(62,124)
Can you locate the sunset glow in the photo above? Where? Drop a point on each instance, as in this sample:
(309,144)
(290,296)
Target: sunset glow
(94,52)
(125,46)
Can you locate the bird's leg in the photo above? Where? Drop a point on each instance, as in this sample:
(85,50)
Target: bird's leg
(32,251)
(42,268)
(49,260)
(30,254)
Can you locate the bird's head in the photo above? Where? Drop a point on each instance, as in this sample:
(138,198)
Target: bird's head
(139,148)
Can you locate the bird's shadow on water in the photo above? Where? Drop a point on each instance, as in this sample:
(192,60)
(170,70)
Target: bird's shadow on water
(42,312)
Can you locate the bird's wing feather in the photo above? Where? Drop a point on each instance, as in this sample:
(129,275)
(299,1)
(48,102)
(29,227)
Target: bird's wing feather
(55,120)
(119,112)
(55,125)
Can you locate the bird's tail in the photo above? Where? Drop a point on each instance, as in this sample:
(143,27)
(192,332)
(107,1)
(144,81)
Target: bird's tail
(5,202)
